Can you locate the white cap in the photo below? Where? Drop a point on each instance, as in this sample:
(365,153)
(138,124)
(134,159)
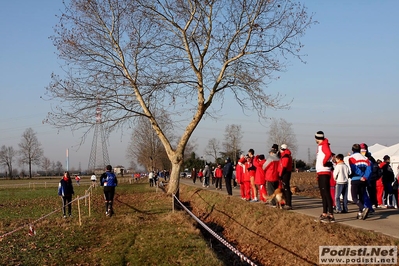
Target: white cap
(283,146)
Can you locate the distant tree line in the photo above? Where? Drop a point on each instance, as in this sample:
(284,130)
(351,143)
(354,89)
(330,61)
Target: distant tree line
(30,153)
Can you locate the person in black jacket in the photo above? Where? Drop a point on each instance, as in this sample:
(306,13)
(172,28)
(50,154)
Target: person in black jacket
(228,175)
(65,190)
(387,179)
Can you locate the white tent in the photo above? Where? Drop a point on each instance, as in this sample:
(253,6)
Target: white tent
(391,151)
(376,148)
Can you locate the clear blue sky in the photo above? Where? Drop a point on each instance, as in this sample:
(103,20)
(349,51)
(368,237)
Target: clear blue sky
(348,88)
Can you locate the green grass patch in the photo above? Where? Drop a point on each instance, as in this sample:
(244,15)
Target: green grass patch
(143,231)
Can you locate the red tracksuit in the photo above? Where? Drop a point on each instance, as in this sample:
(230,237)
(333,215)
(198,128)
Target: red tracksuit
(260,178)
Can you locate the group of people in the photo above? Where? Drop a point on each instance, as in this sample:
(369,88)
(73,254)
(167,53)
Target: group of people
(372,182)
(257,175)
(154,176)
(260,176)
(108,180)
(216,175)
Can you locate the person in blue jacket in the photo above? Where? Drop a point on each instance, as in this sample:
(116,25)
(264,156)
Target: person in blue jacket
(65,190)
(109,181)
(360,173)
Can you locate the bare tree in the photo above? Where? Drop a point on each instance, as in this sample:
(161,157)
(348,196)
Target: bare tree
(232,141)
(176,56)
(46,164)
(213,149)
(30,149)
(58,167)
(281,132)
(145,145)
(7,155)
(53,168)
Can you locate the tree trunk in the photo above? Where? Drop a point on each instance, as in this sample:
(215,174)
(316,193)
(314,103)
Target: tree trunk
(174,181)
(30,170)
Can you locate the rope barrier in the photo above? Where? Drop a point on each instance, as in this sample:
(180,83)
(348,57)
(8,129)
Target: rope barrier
(223,241)
(41,218)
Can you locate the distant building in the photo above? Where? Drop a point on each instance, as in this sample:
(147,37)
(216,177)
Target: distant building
(119,170)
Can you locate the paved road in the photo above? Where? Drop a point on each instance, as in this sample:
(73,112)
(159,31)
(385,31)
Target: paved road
(385,221)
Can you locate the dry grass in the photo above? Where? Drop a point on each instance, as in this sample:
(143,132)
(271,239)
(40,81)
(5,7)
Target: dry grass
(271,236)
(144,231)
(307,184)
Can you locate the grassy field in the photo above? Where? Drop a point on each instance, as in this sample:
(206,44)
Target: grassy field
(145,230)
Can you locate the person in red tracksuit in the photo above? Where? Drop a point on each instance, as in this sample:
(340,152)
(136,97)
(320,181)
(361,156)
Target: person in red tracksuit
(379,188)
(240,175)
(284,171)
(271,173)
(247,178)
(323,169)
(260,176)
(218,177)
(333,183)
(251,171)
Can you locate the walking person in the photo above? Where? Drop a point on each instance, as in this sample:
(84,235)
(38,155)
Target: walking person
(93,179)
(218,177)
(213,175)
(284,171)
(109,182)
(367,198)
(374,176)
(200,175)
(388,177)
(228,174)
(194,175)
(323,169)
(341,177)
(77,178)
(151,178)
(65,190)
(207,176)
(361,170)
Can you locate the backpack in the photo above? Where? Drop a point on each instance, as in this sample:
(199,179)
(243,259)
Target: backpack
(376,171)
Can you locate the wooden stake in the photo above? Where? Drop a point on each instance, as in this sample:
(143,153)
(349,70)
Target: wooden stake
(80,221)
(89,204)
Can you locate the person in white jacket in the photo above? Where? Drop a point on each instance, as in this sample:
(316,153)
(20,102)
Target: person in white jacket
(341,176)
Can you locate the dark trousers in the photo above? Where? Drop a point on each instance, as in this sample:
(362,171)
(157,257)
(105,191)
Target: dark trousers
(286,179)
(372,190)
(358,188)
(228,185)
(324,187)
(218,182)
(66,200)
(109,193)
(206,180)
